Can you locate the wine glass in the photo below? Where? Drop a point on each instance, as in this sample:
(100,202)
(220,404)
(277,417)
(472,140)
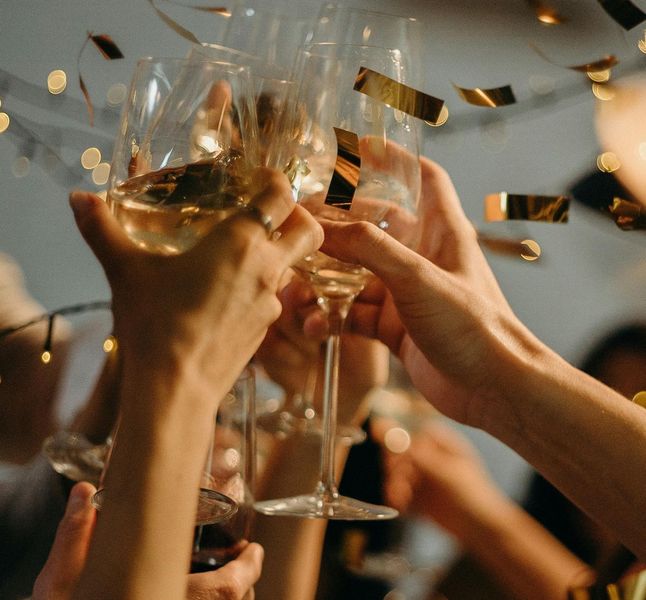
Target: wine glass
(387,194)
(184,153)
(181,164)
(230,469)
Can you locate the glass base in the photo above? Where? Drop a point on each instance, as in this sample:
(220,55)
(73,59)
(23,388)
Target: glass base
(75,457)
(334,508)
(212,506)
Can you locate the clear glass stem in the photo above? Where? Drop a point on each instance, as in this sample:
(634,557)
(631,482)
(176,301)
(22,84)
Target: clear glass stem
(337,309)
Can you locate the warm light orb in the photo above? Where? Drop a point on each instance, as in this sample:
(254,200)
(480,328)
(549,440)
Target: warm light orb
(4,122)
(442,118)
(109,344)
(101,173)
(603,92)
(607,162)
(640,398)
(90,158)
(46,357)
(599,76)
(56,82)
(116,94)
(531,250)
(397,440)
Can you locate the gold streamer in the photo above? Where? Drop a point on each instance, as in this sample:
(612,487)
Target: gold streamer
(398,95)
(174,25)
(109,50)
(623,12)
(517,207)
(602,64)
(529,250)
(545,13)
(346,171)
(491,98)
(628,215)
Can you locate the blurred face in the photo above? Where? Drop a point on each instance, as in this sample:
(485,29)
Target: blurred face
(624,371)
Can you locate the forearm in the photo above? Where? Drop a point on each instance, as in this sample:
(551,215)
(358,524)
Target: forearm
(584,437)
(520,554)
(151,487)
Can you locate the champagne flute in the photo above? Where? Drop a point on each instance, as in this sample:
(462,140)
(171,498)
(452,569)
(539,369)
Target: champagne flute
(387,195)
(181,164)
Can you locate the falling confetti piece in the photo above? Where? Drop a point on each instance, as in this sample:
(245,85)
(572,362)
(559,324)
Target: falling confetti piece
(520,207)
(398,95)
(346,170)
(602,64)
(545,13)
(627,215)
(491,98)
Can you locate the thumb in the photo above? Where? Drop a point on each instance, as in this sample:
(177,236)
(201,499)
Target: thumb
(365,244)
(103,234)
(69,552)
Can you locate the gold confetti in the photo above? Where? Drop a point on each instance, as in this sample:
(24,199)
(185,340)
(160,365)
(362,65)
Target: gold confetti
(442,118)
(4,122)
(630,587)
(90,158)
(527,249)
(174,25)
(398,95)
(602,64)
(57,82)
(640,398)
(491,98)
(531,250)
(607,162)
(106,46)
(628,215)
(517,207)
(623,12)
(101,173)
(545,13)
(346,170)
(108,50)
(641,44)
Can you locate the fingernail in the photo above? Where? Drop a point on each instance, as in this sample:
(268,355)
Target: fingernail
(80,202)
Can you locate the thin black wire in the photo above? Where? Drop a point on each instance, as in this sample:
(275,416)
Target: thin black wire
(49,316)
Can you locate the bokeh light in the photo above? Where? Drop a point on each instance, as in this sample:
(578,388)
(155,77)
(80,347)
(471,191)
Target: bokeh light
(90,158)
(57,82)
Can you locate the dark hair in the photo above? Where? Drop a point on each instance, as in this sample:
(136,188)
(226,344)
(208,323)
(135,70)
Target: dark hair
(551,508)
(631,337)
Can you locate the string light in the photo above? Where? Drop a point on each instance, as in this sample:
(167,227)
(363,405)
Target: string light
(46,355)
(109,344)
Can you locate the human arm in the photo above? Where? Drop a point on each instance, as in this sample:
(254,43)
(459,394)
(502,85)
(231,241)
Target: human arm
(441,477)
(177,320)
(445,317)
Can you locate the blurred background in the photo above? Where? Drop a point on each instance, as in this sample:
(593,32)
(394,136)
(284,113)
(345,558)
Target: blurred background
(590,277)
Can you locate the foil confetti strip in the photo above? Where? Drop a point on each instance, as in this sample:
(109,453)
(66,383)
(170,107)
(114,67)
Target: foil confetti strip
(628,216)
(520,207)
(174,25)
(526,249)
(398,95)
(545,13)
(602,64)
(346,170)
(631,587)
(490,98)
(109,50)
(624,12)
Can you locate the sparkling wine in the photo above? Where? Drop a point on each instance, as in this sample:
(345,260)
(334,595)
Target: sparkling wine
(170,210)
(331,277)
